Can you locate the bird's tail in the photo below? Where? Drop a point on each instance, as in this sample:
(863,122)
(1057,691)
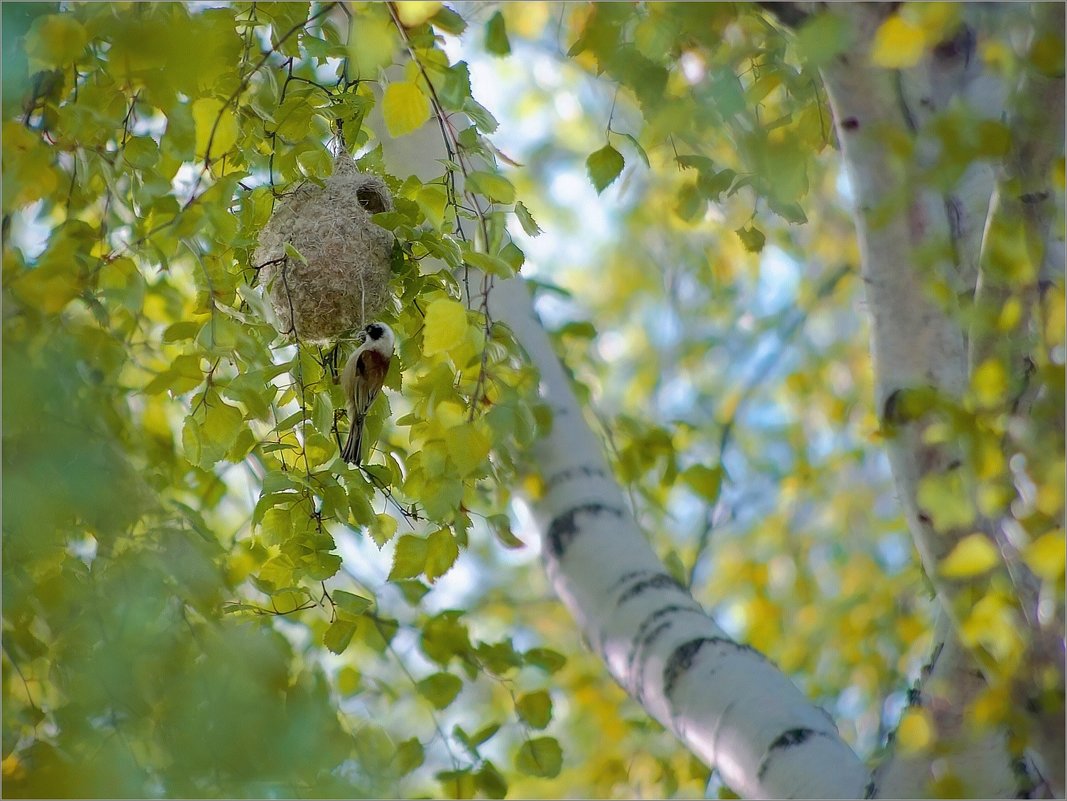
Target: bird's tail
(353,445)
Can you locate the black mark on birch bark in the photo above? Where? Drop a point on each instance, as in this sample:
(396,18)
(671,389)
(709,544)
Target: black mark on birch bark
(563,530)
(787,739)
(570,474)
(656,582)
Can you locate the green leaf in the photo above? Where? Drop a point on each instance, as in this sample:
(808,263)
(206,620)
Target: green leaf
(822,37)
(351,603)
(484,734)
(323,566)
(514,257)
(496,36)
(440,689)
(456,783)
(339,635)
(468,447)
(409,559)
(501,527)
(294,254)
(752,238)
(637,146)
(545,658)
(673,562)
(788,210)
(535,709)
(455,87)
(541,756)
(441,553)
(692,161)
(433,200)
(499,657)
(141,152)
(409,755)
(704,481)
(493,186)
(216,127)
(490,782)
(55,40)
(449,21)
(604,167)
(382,528)
(404,107)
(372,41)
(489,264)
(480,116)
(526,220)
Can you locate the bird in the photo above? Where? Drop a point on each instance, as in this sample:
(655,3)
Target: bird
(362,380)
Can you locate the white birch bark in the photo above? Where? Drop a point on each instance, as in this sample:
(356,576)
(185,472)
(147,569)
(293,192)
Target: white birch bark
(979,761)
(915,344)
(722,699)
(918,345)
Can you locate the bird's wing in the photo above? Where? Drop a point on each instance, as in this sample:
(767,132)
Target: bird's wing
(370,369)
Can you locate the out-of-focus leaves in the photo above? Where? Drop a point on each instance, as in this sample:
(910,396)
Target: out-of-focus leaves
(541,756)
(496,36)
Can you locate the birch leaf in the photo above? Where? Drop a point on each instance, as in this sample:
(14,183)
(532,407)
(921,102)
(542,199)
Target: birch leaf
(604,167)
(898,44)
(972,556)
(404,107)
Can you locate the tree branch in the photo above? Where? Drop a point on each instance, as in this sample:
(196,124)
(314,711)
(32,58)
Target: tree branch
(750,722)
(909,239)
(1015,249)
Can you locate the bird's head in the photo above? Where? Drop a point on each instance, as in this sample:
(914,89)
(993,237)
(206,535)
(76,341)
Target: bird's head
(380,334)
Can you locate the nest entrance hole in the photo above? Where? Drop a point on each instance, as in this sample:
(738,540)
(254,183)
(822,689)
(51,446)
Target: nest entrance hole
(370,197)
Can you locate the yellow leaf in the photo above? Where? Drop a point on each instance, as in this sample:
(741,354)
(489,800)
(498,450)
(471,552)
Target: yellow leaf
(414,12)
(1010,314)
(432,200)
(445,326)
(1045,555)
(404,107)
(991,707)
(972,556)
(467,447)
(55,40)
(450,414)
(372,42)
(937,20)
(993,624)
(898,44)
(990,382)
(946,499)
(216,127)
(915,731)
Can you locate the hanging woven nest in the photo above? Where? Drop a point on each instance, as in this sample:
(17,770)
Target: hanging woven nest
(344,283)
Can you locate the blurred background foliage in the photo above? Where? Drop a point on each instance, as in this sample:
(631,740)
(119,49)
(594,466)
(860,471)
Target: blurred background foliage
(202,600)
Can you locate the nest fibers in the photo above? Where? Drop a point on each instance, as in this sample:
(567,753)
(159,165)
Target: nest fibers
(345,280)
